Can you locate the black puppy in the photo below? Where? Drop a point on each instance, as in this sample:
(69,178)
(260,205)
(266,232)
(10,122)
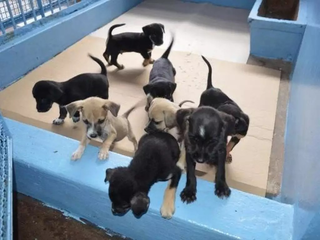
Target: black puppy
(205,131)
(162,77)
(155,160)
(77,88)
(142,43)
(217,99)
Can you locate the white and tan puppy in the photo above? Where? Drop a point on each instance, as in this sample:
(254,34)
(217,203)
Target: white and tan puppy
(102,121)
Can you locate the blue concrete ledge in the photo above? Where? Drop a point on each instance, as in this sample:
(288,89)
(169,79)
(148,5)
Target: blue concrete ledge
(276,39)
(37,43)
(43,170)
(6,231)
(243,4)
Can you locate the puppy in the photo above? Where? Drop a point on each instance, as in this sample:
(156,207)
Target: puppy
(77,88)
(162,114)
(101,124)
(217,99)
(155,160)
(142,43)
(162,77)
(205,131)
(162,117)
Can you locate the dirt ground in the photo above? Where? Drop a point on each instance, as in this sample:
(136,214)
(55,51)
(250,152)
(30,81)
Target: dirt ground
(33,221)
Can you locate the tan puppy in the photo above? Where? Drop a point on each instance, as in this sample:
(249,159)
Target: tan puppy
(102,121)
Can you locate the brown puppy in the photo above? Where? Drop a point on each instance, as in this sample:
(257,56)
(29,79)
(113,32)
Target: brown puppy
(162,117)
(101,124)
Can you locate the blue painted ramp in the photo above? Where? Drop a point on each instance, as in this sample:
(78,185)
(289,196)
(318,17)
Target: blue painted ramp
(5,182)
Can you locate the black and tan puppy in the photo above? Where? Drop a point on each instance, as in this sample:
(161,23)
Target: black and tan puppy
(77,88)
(142,43)
(155,160)
(205,131)
(162,77)
(217,99)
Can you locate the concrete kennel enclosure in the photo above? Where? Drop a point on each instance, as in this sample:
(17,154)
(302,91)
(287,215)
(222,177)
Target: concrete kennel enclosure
(41,165)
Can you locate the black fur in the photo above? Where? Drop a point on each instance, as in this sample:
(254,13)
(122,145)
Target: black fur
(142,43)
(219,117)
(154,160)
(80,87)
(162,77)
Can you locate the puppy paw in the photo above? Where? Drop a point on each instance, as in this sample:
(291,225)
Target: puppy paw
(75,119)
(229,158)
(151,61)
(188,195)
(77,154)
(146,62)
(120,67)
(167,210)
(103,154)
(222,189)
(58,121)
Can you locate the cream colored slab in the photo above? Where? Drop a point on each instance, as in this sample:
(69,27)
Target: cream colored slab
(254,88)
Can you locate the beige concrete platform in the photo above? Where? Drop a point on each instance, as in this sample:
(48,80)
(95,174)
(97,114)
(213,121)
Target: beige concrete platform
(254,88)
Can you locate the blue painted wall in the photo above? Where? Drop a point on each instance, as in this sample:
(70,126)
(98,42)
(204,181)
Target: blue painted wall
(243,4)
(301,175)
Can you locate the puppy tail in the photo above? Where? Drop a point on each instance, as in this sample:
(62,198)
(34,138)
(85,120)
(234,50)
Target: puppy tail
(167,52)
(97,60)
(113,27)
(185,101)
(209,80)
(142,102)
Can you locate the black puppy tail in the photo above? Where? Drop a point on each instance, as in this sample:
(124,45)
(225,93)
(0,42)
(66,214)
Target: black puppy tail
(97,60)
(142,102)
(209,80)
(113,27)
(167,52)
(185,101)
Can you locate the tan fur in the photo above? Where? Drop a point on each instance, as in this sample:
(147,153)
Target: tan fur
(164,111)
(146,62)
(117,127)
(168,204)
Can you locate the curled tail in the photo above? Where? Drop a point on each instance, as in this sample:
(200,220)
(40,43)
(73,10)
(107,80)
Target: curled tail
(185,101)
(97,60)
(113,27)
(209,80)
(167,52)
(142,102)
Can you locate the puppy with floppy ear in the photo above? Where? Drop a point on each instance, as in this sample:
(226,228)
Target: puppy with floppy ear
(205,131)
(77,88)
(102,121)
(142,43)
(162,77)
(217,99)
(155,160)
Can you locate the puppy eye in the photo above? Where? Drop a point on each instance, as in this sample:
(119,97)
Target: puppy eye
(100,121)
(85,121)
(157,122)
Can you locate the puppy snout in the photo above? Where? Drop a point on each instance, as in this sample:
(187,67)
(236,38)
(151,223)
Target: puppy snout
(93,135)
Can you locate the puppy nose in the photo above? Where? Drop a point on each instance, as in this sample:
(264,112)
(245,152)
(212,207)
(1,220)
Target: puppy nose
(146,130)
(93,135)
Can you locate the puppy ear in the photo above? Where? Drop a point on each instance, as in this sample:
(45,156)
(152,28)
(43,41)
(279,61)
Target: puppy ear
(146,89)
(109,173)
(112,107)
(73,107)
(146,30)
(169,118)
(230,123)
(182,116)
(173,87)
(55,91)
(140,203)
(162,27)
